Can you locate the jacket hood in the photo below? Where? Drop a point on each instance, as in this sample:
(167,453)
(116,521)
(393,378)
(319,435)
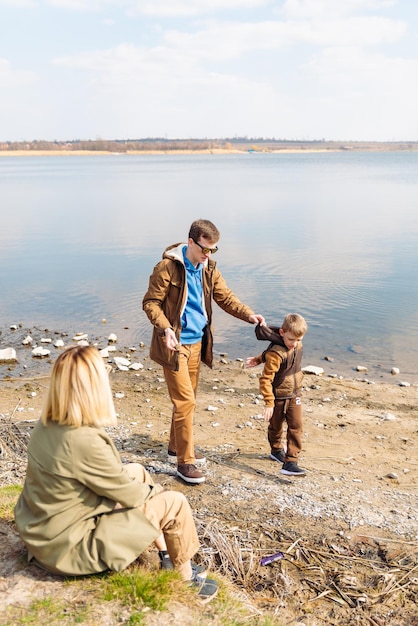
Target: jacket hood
(268,333)
(175,252)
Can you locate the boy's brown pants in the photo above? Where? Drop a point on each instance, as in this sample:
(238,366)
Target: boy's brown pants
(289,411)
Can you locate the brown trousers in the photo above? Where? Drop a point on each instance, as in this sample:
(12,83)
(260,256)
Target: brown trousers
(289,411)
(182,386)
(171,513)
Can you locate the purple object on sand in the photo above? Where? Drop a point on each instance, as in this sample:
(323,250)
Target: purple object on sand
(270,559)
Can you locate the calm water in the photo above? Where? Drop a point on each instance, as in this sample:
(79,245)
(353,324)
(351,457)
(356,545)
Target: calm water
(332,236)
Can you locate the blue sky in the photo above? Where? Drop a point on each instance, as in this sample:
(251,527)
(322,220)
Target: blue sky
(288,69)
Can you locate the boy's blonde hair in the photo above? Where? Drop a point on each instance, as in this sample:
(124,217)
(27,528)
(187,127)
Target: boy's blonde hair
(295,324)
(79,392)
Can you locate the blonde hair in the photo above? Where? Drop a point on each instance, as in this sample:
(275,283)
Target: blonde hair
(79,392)
(295,324)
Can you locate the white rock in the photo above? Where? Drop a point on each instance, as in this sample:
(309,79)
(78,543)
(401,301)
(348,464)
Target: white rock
(8,355)
(27,340)
(313,369)
(112,338)
(80,336)
(212,408)
(388,417)
(404,384)
(136,366)
(229,390)
(40,352)
(104,353)
(13,327)
(46,340)
(395,371)
(119,395)
(59,343)
(120,360)
(361,368)
(215,424)
(83,342)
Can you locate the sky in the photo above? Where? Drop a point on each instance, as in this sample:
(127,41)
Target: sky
(209,69)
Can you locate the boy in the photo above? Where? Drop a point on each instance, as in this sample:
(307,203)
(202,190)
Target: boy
(280,385)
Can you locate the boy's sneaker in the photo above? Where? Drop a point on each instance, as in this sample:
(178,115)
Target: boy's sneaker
(292,469)
(190,474)
(278,455)
(206,589)
(199,458)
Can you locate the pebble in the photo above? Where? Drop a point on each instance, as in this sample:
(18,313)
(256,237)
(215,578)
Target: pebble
(8,355)
(112,338)
(40,352)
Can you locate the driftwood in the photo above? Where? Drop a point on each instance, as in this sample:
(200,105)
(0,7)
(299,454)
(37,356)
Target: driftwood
(308,576)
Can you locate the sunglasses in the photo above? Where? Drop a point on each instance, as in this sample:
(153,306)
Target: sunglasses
(204,249)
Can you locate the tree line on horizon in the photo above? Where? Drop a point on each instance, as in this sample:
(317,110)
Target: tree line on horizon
(163,144)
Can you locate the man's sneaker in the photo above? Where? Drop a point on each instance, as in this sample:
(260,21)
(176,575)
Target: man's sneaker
(278,455)
(206,589)
(292,469)
(199,458)
(190,474)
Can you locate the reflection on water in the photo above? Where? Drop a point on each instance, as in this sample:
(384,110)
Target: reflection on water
(332,236)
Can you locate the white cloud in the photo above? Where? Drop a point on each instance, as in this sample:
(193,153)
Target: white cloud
(303,9)
(10,77)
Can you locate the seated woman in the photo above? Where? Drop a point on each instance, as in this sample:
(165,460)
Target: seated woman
(81,510)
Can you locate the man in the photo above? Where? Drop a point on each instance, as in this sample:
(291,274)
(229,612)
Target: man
(179,305)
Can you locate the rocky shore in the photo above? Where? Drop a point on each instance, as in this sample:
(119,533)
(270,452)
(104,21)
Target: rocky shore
(359,496)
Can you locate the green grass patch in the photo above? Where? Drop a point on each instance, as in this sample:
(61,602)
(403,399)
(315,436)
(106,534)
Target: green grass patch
(8,499)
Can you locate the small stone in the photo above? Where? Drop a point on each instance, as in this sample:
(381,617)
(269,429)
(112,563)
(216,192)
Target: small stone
(136,366)
(27,340)
(104,353)
(122,362)
(392,475)
(313,369)
(46,340)
(119,395)
(361,368)
(404,384)
(395,371)
(80,337)
(388,417)
(112,338)
(59,343)
(40,352)
(8,355)
(13,327)
(211,408)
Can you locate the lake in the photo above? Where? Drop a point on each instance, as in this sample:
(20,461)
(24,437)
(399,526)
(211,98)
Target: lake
(333,236)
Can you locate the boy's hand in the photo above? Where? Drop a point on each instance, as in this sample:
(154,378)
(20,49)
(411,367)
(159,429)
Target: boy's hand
(267,413)
(251,361)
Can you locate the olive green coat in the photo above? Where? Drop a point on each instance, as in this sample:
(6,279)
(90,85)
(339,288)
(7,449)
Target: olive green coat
(65,513)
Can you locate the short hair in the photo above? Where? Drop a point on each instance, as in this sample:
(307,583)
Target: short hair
(295,324)
(204,228)
(79,392)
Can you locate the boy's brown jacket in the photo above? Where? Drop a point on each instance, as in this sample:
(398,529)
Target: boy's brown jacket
(166,298)
(282,375)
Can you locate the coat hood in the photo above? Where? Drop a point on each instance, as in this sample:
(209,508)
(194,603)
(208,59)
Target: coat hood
(175,252)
